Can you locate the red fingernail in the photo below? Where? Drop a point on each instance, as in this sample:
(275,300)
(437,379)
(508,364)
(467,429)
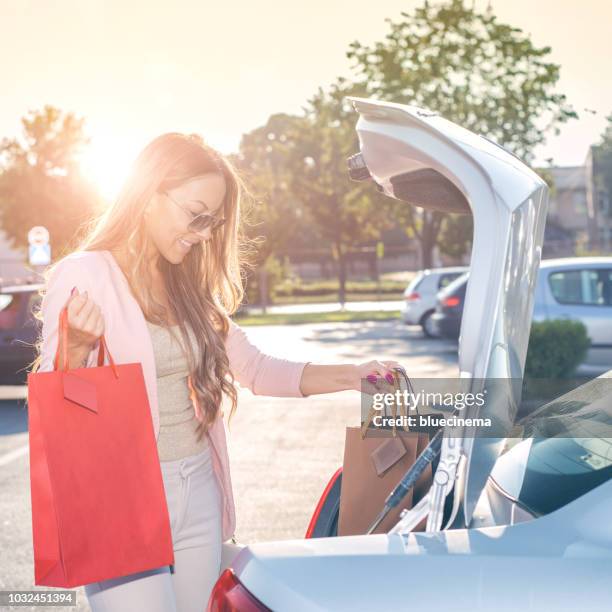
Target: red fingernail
(371,378)
(389,377)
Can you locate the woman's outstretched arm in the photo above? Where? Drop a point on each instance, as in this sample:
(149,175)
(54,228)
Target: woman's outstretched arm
(265,374)
(322,378)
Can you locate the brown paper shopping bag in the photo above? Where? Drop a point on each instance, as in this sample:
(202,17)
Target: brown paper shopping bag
(374,463)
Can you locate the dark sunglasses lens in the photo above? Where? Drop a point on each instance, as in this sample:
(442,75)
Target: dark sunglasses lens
(201,223)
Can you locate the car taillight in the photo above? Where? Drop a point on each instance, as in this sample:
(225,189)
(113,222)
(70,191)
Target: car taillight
(412,297)
(451,301)
(230,595)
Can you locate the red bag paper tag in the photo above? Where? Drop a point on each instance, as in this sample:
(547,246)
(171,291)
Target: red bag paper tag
(80,392)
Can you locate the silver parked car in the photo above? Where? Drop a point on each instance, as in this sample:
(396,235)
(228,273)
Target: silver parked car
(580,289)
(420,296)
(574,288)
(561,560)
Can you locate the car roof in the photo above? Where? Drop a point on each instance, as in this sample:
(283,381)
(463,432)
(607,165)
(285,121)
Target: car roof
(445,270)
(575,262)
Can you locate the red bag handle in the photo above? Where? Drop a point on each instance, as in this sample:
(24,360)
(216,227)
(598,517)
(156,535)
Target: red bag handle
(63,342)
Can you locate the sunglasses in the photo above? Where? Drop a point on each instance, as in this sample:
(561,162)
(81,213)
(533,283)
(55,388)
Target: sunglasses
(199,222)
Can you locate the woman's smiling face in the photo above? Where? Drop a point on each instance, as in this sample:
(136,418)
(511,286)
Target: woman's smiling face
(167,217)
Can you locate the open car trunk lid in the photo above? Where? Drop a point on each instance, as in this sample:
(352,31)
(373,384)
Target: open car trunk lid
(416,156)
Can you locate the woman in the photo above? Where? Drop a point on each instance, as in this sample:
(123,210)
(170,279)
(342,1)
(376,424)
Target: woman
(159,276)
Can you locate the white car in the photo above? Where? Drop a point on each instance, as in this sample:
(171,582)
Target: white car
(579,289)
(420,296)
(471,556)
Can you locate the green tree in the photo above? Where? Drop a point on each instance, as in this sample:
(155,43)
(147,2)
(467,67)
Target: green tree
(455,235)
(344,213)
(482,74)
(40,179)
(265,161)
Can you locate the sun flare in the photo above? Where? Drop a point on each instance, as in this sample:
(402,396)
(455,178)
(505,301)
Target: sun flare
(106,162)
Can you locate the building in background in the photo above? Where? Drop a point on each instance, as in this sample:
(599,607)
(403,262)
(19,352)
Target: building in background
(598,202)
(567,224)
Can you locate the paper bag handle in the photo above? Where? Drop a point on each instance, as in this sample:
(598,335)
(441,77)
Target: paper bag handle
(397,373)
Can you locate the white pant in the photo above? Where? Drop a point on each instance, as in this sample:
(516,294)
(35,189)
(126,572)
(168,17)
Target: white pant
(194,504)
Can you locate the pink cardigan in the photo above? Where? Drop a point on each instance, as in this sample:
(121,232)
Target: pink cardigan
(129,341)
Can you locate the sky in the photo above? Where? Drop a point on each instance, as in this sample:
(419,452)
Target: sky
(135,69)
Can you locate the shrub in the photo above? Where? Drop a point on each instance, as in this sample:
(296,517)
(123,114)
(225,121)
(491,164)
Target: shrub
(556,348)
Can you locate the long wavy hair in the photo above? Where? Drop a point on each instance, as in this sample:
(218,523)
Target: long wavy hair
(206,287)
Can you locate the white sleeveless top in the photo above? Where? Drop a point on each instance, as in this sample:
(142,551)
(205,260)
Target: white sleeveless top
(177,421)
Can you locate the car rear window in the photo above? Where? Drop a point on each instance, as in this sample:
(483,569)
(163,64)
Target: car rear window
(428,283)
(561,470)
(583,287)
(415,282)
(457,286)
(571,451)
(446,279)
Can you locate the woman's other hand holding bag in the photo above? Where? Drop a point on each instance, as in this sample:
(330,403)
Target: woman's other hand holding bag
(85,327)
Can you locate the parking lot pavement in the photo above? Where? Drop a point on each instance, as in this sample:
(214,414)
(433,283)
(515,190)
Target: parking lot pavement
(282,450)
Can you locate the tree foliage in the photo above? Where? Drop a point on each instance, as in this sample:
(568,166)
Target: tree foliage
(344,212)
(275,216)
(40,180)
(265,160)
(472,69)
(297,167)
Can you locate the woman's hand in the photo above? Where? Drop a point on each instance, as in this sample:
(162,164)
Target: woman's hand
(367,377)
(375,373)
(85,321)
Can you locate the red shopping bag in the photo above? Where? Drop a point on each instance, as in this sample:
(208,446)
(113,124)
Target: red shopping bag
(99,507)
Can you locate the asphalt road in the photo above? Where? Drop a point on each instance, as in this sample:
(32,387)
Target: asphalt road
(282,451)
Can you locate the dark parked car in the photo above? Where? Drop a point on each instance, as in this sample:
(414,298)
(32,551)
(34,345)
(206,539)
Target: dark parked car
(449,308)
(18,329)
